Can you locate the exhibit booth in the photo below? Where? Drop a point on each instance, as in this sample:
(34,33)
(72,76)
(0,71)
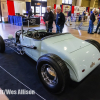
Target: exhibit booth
(18,13)
(76,11)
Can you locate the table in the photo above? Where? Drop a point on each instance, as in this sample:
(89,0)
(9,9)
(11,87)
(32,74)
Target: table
(15,20)
(32,21)
(19,20)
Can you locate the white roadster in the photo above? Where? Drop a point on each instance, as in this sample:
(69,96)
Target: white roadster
(58,56)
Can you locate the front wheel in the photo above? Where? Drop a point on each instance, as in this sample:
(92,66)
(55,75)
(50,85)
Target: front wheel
(53,73)
(2,45)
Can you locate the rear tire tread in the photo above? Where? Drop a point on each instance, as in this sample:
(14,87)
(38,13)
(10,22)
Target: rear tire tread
(62,66)
(95,43)
(2,45)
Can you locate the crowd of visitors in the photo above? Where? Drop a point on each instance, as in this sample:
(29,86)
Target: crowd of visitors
(59,19)
(92,20)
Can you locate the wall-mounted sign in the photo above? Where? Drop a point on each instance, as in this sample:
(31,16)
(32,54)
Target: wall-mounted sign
(38,3)
(66,8)
(78,9)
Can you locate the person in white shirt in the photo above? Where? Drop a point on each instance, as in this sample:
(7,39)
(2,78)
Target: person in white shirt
(68,22)
(86,16)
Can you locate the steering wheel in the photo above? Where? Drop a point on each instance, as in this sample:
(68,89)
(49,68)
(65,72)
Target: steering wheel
(36,35)
(29,32)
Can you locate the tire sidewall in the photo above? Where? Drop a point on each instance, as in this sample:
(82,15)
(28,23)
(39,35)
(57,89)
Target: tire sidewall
(2,45)
(94,43)
(61,84)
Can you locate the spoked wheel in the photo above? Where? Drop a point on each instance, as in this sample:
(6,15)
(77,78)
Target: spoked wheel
(53,73)
(49,75)
(2,45)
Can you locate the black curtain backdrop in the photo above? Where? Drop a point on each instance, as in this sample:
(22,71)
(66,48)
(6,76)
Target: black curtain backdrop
(43,4)
(34,3)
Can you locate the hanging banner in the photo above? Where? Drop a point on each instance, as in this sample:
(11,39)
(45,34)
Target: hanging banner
(78,9)
(20,7)
(66,9)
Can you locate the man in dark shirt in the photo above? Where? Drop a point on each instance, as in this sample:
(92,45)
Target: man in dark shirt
(91,12)
(60,20)
(30,13)
(48,19)
(98,24)
(91,23)
(84,13)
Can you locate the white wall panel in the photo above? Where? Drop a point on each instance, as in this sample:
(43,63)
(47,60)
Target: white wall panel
(4,9)
(20,7)
(23,0)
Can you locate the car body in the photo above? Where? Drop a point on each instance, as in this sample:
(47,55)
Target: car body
(79,56)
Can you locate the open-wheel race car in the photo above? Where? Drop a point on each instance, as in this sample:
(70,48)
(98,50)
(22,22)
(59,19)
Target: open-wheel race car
(58,56)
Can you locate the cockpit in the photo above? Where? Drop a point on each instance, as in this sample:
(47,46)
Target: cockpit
(37,34)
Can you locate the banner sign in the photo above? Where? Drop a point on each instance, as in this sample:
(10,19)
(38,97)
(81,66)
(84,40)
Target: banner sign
(78,9)
(66,8)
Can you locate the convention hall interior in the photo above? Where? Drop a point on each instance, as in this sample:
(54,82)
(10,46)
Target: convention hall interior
(49,49)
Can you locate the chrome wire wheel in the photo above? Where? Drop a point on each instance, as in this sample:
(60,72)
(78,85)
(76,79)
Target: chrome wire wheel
(53,73)
(49,75)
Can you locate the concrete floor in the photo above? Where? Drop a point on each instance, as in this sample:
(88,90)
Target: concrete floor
(6,29)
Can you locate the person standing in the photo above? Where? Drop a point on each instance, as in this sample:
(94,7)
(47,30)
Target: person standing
(84,13)
(91,23)
(86,16)
(48,19)
(69,19)
(98,24)
(60,20)
(91,12)
(30,13)
(54,16)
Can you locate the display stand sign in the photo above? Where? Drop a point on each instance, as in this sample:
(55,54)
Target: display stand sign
(66,8)
(78,9)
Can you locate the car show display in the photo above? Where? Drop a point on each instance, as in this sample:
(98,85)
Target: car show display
(32,21)
(22,20)
(66,9)
(57,56)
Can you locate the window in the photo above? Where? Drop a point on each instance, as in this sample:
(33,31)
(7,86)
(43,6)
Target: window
(37,9)
(32,7)
(70,1)
(43,9)
(67,1)
(40,0)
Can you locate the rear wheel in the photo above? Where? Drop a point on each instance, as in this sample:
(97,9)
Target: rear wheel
(2,45)
(53,73)
(95,43)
